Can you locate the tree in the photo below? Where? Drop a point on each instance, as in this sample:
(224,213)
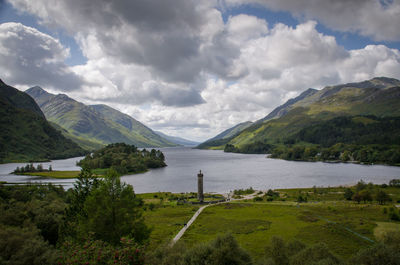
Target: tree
(382,197)
(361,185)
(83,186)
(366,195)
(348,194)
(114,211)
(224,250)
(356,197)
(394,183)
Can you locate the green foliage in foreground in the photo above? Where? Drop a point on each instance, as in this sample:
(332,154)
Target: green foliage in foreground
(226,250)
(47,225)
(124,159)
(43,224)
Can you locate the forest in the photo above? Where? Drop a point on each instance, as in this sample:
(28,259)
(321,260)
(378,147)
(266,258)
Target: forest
(124,159)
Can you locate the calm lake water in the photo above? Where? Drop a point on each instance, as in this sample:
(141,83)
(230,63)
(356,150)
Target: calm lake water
(226,171)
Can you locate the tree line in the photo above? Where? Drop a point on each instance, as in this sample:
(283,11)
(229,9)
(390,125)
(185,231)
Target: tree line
(29,168)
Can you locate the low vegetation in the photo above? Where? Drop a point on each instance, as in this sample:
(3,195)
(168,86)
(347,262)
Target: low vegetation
(102,221)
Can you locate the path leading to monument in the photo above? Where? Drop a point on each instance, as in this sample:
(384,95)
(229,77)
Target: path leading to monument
(197,213)
(183,230)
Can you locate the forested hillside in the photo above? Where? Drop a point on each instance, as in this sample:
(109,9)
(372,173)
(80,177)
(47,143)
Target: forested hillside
(25,134)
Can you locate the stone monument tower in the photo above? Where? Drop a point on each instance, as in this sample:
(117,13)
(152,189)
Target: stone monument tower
(200,195)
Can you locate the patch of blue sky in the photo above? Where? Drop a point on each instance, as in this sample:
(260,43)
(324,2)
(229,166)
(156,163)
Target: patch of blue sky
(353,40)
(261,12)
(10,14)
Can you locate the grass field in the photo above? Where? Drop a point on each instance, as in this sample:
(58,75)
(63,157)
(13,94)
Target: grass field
(345,226)
(340,226)
(166,221)
(55,174)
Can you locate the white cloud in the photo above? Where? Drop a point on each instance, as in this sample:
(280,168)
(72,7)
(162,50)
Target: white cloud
(184,70)
(29,57)
(373,18)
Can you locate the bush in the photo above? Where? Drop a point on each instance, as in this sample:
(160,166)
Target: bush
(24,246)
(99,252)
(257,199)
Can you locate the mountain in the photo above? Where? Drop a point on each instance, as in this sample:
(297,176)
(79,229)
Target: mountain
(25,134)
(94,126)
(224,137)
(311,113)
(282,110)
(177,140)
(219,141)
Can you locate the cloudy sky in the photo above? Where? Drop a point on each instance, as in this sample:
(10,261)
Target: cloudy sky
(193,68)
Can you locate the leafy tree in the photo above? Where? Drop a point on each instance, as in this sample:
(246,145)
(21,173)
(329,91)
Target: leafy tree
(394,183)
(83,186)
(348,194)
(224,250)
(382,197)
(366,195)
(278,251)
(361,185)
(114,211)
(357,197)
(24,246)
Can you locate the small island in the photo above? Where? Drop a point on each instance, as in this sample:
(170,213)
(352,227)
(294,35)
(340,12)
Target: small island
(123,158)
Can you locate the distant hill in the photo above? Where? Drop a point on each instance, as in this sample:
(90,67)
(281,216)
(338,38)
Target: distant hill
(25,134)
(283,129)
(177,140)
(224,137)
(94,126)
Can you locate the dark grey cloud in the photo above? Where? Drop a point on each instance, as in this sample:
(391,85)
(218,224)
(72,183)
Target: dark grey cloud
(163,35)
(30,57)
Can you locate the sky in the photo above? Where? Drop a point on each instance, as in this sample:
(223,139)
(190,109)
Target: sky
(193,68)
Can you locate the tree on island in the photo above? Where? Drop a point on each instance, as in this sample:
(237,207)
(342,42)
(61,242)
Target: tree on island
(29,168)
(124,159)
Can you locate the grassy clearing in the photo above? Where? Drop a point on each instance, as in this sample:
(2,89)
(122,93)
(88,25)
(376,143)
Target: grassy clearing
(166,221)
(253,224)
(345,226)
(383,228)
(55,174)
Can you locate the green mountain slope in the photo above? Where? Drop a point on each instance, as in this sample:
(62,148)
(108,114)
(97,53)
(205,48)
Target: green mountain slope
(25,134)
(219,141)
(92,126)
(136,128)
(280,133)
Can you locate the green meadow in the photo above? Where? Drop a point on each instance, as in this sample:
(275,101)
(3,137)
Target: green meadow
(344,226)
